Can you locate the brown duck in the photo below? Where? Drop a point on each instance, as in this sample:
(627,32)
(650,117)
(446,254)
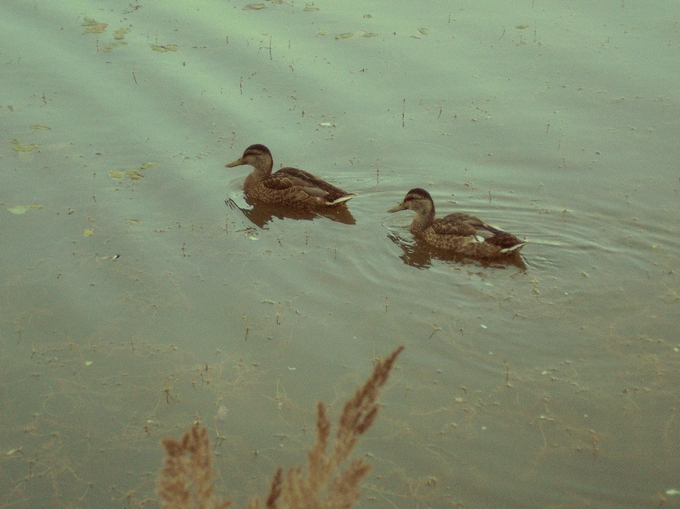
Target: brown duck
(288,186)
(458,233)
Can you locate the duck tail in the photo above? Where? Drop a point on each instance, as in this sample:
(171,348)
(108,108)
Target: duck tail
(513,249)
(342,199)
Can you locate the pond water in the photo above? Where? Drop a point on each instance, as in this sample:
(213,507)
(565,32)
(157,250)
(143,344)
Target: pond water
(139,293)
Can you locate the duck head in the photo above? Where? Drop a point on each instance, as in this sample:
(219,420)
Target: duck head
(417,200)
(258,156)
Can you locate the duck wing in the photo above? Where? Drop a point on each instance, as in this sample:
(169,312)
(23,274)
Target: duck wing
(464,225)
(287,178)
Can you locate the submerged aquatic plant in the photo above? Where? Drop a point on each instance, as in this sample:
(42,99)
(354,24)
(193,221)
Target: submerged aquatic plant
(186,479)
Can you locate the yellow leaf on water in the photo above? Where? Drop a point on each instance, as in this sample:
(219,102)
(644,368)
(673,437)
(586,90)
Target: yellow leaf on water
(253,7)
(22,209)
(112,46)
(121,33)
(133,174)
(88,232)
(346,35)
(164,49)
(132,221)
(423,31)
(20,147)
(92,27)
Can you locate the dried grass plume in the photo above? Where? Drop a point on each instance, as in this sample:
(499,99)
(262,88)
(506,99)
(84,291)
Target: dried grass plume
(187,475)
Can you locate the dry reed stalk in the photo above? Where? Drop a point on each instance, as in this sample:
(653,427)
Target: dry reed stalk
(186,477)
(188,462)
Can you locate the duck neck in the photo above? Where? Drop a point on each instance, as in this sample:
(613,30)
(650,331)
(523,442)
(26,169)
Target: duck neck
(423,219)
(262,167)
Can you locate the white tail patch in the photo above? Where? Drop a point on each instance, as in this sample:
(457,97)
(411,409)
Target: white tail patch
(342,199)
(516,247)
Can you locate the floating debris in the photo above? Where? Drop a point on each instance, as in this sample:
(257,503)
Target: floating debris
(20,147)
(132,173)
(359,33)
(88,232)
(112,46)
(423,31)
(93,27)
(254,7)
(164,49)
(121,33)
(39,127)
(310,8)
(22,209)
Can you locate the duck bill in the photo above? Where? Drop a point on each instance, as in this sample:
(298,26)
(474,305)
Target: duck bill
(238,162)
(399,207)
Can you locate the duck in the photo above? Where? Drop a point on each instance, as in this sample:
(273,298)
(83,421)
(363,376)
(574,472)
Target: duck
(458,233)
(287,186)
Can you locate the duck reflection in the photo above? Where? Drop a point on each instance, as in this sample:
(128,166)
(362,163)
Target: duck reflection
(260,213)
(420,254)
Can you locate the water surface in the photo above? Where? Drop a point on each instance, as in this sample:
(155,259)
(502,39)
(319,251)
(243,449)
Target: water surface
(134,300)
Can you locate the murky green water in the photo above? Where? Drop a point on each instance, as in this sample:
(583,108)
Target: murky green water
(133,302)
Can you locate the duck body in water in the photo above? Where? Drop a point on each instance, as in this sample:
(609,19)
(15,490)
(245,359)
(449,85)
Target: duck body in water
(457,233)
(287,186)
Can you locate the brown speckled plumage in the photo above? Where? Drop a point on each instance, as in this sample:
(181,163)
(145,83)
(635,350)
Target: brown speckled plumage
(288,186)
(458,233)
